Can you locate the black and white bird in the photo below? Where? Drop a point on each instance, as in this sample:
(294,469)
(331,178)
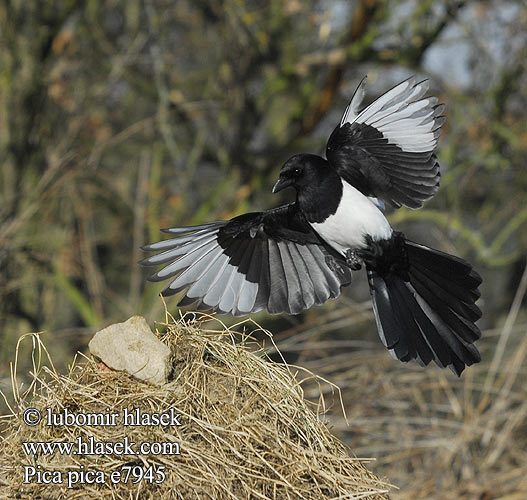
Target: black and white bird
(298,255)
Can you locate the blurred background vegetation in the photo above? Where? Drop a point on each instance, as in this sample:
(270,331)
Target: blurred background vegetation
(119,118)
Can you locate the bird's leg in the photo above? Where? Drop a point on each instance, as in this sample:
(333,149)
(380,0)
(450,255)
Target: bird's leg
(353,259)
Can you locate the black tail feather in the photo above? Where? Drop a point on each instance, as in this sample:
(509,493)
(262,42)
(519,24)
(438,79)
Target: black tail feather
(454,319)
(390,331)
(419,348)
(424,303)
(461,303)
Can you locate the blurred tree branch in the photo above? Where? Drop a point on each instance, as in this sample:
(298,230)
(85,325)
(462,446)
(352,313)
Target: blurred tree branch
(117,118)
(363,16)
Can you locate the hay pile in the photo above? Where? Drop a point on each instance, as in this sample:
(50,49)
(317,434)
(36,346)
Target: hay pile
(246,431)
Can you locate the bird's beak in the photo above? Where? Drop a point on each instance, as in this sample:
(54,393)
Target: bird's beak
(282,183)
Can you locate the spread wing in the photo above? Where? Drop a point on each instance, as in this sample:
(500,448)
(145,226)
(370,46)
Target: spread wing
(271,260)
(386,150)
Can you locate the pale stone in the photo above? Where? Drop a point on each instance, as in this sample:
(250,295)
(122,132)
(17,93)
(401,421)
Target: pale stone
(131,346)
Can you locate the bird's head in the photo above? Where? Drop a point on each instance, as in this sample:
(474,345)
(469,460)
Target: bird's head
(300,171)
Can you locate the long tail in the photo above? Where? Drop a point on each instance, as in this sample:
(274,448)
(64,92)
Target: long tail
(424,303)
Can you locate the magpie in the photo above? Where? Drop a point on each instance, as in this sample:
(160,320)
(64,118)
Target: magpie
(290,258)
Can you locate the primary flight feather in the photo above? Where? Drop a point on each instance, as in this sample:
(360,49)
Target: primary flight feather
(295,256)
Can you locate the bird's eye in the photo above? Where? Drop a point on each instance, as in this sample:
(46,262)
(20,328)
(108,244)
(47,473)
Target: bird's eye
(296,171)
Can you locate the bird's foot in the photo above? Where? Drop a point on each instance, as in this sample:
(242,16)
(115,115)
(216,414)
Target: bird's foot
(353,259)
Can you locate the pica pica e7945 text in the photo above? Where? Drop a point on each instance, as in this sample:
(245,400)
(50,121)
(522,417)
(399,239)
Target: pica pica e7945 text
(298,255)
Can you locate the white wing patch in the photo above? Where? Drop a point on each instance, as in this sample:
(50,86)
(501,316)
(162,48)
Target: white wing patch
(292,276)
(402,115)
(353,107)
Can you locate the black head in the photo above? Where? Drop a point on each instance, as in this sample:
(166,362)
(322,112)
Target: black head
(301,171)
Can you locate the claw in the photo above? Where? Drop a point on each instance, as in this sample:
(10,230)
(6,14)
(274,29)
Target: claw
(353,259)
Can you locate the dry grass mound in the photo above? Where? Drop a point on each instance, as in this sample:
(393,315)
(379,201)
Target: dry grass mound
(246,430)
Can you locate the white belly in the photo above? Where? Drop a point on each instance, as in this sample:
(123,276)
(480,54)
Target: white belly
(356,217)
